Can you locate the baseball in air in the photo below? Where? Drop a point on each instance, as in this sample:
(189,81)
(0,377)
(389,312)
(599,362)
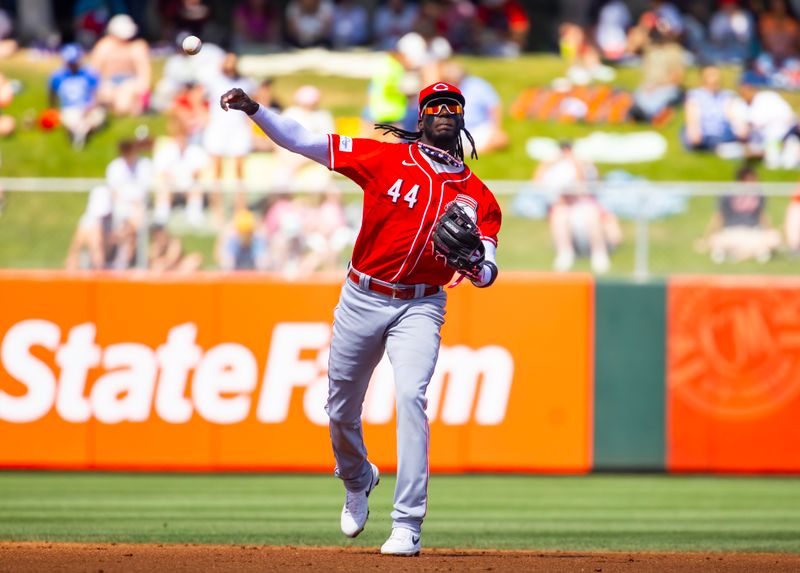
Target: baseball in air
(191,45)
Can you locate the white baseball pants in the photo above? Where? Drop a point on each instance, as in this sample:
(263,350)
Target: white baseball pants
(366,323)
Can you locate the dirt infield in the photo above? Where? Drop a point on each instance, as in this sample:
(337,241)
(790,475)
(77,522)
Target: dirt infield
(22,557)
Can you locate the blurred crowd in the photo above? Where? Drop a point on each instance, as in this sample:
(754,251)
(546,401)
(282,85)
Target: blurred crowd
(497,27)
(198,175)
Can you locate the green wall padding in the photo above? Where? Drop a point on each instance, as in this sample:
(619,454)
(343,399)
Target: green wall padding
(629,415)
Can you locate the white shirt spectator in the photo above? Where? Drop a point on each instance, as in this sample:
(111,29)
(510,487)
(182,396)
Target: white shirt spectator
(98,206)
(768,115)
(129,184)
(180,167)
(227,134)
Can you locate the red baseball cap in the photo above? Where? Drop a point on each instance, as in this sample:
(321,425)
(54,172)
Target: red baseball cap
(440,90)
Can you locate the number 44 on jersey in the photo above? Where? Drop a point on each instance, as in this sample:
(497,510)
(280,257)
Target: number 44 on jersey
(397,189)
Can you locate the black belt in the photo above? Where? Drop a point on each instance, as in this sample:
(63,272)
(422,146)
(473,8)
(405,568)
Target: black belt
(404,292)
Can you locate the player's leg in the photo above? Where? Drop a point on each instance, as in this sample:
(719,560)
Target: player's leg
(356,348)
(360,320)
(413,347)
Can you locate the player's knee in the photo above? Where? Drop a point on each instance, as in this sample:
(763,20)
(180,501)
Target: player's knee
(410,396)
(342,413)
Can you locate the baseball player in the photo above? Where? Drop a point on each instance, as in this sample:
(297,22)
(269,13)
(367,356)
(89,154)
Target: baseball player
(425,216)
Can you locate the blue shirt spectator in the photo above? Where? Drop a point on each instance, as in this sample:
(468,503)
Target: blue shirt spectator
(74,85)
(708,110)
(74,89)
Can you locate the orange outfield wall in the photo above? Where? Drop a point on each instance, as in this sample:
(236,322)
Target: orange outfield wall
(733,374)
(228,372)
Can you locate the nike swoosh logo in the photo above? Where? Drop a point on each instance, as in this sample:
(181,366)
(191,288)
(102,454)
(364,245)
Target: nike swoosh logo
(408,164)
(415,540)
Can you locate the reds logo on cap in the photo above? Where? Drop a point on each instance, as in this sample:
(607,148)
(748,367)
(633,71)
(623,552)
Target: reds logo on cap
(440,89)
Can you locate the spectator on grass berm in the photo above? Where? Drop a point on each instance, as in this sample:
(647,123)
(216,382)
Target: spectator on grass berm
(393,20)
(779,30)
(256,23)
(581,57)
(504,27)
(663,20)
(309,23)
(731,33)
(90,244)
(707,112)
(166,252)
(129,178)
(242,244)
(350,25)
(740,228)
(484,116)
(611,21)
(189,111)
(73,89)
(8,45)
(579,225)
(663,71)
(123,64)
(767,125)
(7,122)
(227,136)
(90,18)
(178,166)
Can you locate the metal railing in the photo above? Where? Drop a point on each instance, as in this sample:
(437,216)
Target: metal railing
(638,203)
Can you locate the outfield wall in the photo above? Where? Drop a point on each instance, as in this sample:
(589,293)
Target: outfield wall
(540,373)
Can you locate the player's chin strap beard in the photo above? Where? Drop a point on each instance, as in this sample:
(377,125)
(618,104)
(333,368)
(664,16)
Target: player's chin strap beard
(458,150)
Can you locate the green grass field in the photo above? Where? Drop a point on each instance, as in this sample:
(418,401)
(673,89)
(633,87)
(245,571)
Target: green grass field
(573,513)
(35,229)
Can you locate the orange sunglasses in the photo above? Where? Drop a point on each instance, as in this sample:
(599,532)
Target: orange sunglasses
(436,109)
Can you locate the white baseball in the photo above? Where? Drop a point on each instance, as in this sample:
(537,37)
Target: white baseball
(191,45)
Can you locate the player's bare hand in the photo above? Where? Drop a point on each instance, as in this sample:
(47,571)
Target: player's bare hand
(238,99)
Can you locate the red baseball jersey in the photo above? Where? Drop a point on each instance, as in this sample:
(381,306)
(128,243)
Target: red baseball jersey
(403,198)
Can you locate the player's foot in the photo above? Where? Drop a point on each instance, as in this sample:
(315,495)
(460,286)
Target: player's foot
(402,542)
(356,507)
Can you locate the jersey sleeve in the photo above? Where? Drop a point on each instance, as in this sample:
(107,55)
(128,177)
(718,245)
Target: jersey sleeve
(358,159)
(489,216)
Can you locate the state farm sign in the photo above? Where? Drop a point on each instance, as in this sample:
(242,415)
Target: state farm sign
(131,382)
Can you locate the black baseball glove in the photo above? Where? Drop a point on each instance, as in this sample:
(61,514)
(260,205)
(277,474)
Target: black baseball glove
(457,240)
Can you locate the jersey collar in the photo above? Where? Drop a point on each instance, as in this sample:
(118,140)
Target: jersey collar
(437,166)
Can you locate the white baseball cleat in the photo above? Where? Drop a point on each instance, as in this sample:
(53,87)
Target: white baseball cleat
(356,507)
(402,542)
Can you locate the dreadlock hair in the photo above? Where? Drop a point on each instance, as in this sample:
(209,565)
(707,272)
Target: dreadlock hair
(401,133)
